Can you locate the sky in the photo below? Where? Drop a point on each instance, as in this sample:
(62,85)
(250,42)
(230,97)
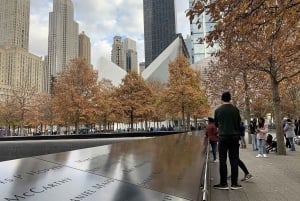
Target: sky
(101,20)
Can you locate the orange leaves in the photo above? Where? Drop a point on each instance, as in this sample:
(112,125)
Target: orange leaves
(76,93)
(133,96)
(183,93)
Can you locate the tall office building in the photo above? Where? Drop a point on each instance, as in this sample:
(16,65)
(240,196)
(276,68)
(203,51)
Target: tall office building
(85,47)
(131,55)
(118,53)
(201,50)
(159,27)
(14,23)
(18,67)
(63,37)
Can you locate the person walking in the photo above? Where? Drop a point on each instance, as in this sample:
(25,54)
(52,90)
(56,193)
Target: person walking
(252,129)
(242,136)
(289,130)
(247,175)
(227,120)
(262,130)
(212,134)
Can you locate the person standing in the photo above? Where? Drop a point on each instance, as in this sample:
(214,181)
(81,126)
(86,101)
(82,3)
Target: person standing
(289,130)
(252,129)
(227,120)
(262,130)
(212,134)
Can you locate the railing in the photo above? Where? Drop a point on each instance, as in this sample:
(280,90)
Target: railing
(206,174)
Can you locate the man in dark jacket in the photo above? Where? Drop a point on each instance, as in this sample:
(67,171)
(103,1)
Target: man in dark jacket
(227,119)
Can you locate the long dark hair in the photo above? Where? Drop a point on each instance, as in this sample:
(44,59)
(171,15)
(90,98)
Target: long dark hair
(261,122)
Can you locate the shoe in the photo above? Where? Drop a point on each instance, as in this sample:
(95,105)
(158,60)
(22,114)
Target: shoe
(236,186)
(221,186)
(215,161)
(259,156)
(265,155)
(247,177)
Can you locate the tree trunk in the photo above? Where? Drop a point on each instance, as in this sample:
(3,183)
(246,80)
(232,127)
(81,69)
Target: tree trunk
(277,114)
(77,123)
(188,117)
(183,117)
(131,120)
(247,105)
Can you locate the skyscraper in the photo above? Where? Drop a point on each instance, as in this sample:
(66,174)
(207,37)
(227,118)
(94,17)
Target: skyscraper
(201,50)
(159,27)
(14,23)
(85,47)
(18,67)
(118,53)
(63,36)
(131,55)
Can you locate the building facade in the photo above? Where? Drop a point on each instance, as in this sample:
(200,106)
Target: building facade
(14,23)
(18,67)
(63,37)
(159,27)
(118,53)
(85,47)
(201,50)
(131,55)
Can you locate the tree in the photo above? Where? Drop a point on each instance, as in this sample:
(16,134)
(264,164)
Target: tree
(267,32)
(133,95)
(8,114)
(76,94)
(184,93)
(22,99)
(107,103)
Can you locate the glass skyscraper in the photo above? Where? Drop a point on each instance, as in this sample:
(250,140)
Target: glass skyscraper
(201,50)
(159,27)
(63,36)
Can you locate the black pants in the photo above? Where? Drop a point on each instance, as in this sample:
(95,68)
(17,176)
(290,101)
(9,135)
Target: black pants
(243,167)
(230,146)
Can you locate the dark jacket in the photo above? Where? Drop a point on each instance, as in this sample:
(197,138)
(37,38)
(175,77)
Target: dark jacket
(227,119)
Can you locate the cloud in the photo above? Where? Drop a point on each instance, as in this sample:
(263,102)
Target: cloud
(101,20)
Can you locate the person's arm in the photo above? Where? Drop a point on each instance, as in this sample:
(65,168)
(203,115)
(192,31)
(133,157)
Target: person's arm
(263,130)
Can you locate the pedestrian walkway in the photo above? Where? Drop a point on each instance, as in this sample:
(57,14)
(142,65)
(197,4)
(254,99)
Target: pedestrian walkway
(276,178)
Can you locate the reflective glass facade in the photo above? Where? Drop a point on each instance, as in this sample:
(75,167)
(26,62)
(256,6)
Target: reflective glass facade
(159,27)
(201,50)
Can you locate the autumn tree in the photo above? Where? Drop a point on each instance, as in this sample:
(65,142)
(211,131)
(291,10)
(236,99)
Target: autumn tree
(134,96)
(106,114)
(267,31)
(76,94)
(22,99)
(41,114)
(157,110)
(184,94)
(8,114)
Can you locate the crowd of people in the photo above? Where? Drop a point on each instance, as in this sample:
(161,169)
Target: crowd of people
(226,133)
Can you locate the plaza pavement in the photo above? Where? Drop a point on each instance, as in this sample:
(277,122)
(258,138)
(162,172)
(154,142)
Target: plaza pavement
(276,178)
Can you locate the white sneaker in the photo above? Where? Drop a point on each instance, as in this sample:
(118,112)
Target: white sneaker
(265,155)
(259,156)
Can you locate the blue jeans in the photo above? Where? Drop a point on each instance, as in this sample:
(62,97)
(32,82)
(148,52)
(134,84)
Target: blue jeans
(261,146)
(291,140)
(254,142)
(214,148)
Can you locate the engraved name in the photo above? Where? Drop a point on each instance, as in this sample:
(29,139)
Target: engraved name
(37,190)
